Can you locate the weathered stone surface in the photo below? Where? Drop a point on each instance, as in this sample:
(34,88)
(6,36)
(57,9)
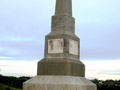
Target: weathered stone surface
(61,69)
(63,23)
(63,6)
(55,45)
(61,66)
(66,45)
(73,47)
(58,83)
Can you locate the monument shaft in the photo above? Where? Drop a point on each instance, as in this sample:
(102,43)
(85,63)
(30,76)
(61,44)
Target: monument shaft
(61,69)
(62,45)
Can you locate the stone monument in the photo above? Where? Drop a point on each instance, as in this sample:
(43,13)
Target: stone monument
(61,69)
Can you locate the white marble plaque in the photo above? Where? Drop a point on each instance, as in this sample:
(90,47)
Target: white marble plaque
(73,47)
(55,46)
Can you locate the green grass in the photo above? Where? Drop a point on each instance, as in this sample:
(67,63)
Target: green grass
(5,87)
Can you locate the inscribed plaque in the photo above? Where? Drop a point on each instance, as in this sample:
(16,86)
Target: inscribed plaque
(55,46)
(73,47)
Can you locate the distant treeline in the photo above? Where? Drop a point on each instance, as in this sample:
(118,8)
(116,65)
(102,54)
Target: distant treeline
(101,85)
(107,84)
(13,81)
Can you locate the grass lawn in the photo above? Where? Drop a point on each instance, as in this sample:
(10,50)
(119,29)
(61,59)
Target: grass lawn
(5,87)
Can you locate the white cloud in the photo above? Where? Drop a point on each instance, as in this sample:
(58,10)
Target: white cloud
(103,69)
(18,68)
(99,69)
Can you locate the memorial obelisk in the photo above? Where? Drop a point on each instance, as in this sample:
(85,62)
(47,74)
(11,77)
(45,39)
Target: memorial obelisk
(61,69)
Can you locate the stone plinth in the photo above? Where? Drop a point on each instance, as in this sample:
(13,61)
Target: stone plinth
(61,66)
(64,48)
(58,83)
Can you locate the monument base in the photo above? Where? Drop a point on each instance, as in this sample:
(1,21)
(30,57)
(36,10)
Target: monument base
(58,83)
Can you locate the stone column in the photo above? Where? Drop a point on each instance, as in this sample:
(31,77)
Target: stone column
(61,69)
(63,6)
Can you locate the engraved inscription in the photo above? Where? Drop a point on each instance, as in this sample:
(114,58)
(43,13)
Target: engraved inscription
(55,46)
(73,47)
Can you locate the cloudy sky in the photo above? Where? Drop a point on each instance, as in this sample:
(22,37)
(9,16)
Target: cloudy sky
(24,24)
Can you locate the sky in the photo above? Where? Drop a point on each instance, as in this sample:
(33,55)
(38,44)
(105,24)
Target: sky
(24,24)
